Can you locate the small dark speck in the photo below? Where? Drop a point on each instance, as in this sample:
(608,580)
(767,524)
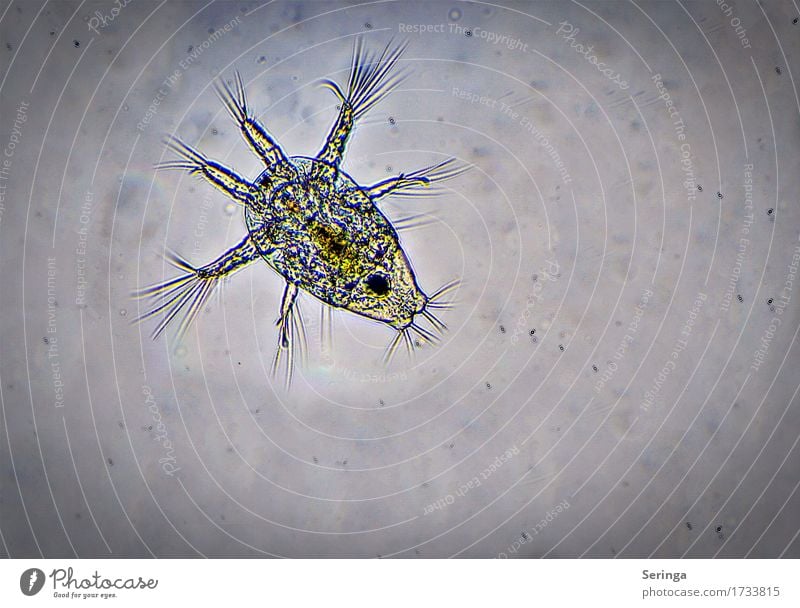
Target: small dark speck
(368,25)
(45,340)
(52,33)
(533,331)
(392,120)
(76,43)
(452,445)
(8,45)
(417,344)
(239,362)
(121,425)
(502,329)
(489,386)
(468,33)
(524,536)
(777,70)
(381,402)
(719,528)
(769,301)
(689,525)
(740,298)
(388,168)
(719,194)
(594,368)
(699,188)
(189,50)
(561,347)
(110,462)
(214,132)
(769,211)
(794,21)
(315,459)
(534,339)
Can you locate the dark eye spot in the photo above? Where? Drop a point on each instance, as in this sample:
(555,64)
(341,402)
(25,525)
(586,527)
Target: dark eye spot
(378,284)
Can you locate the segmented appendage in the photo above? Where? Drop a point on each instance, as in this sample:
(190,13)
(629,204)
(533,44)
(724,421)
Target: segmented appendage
(427,176)
(184,295)
(255,135)
(370,81)
(291,332)
(219,176)
(369,77)
(418,183)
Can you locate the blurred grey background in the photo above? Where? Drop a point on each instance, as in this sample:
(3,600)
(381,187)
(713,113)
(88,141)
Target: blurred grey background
(620,373)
